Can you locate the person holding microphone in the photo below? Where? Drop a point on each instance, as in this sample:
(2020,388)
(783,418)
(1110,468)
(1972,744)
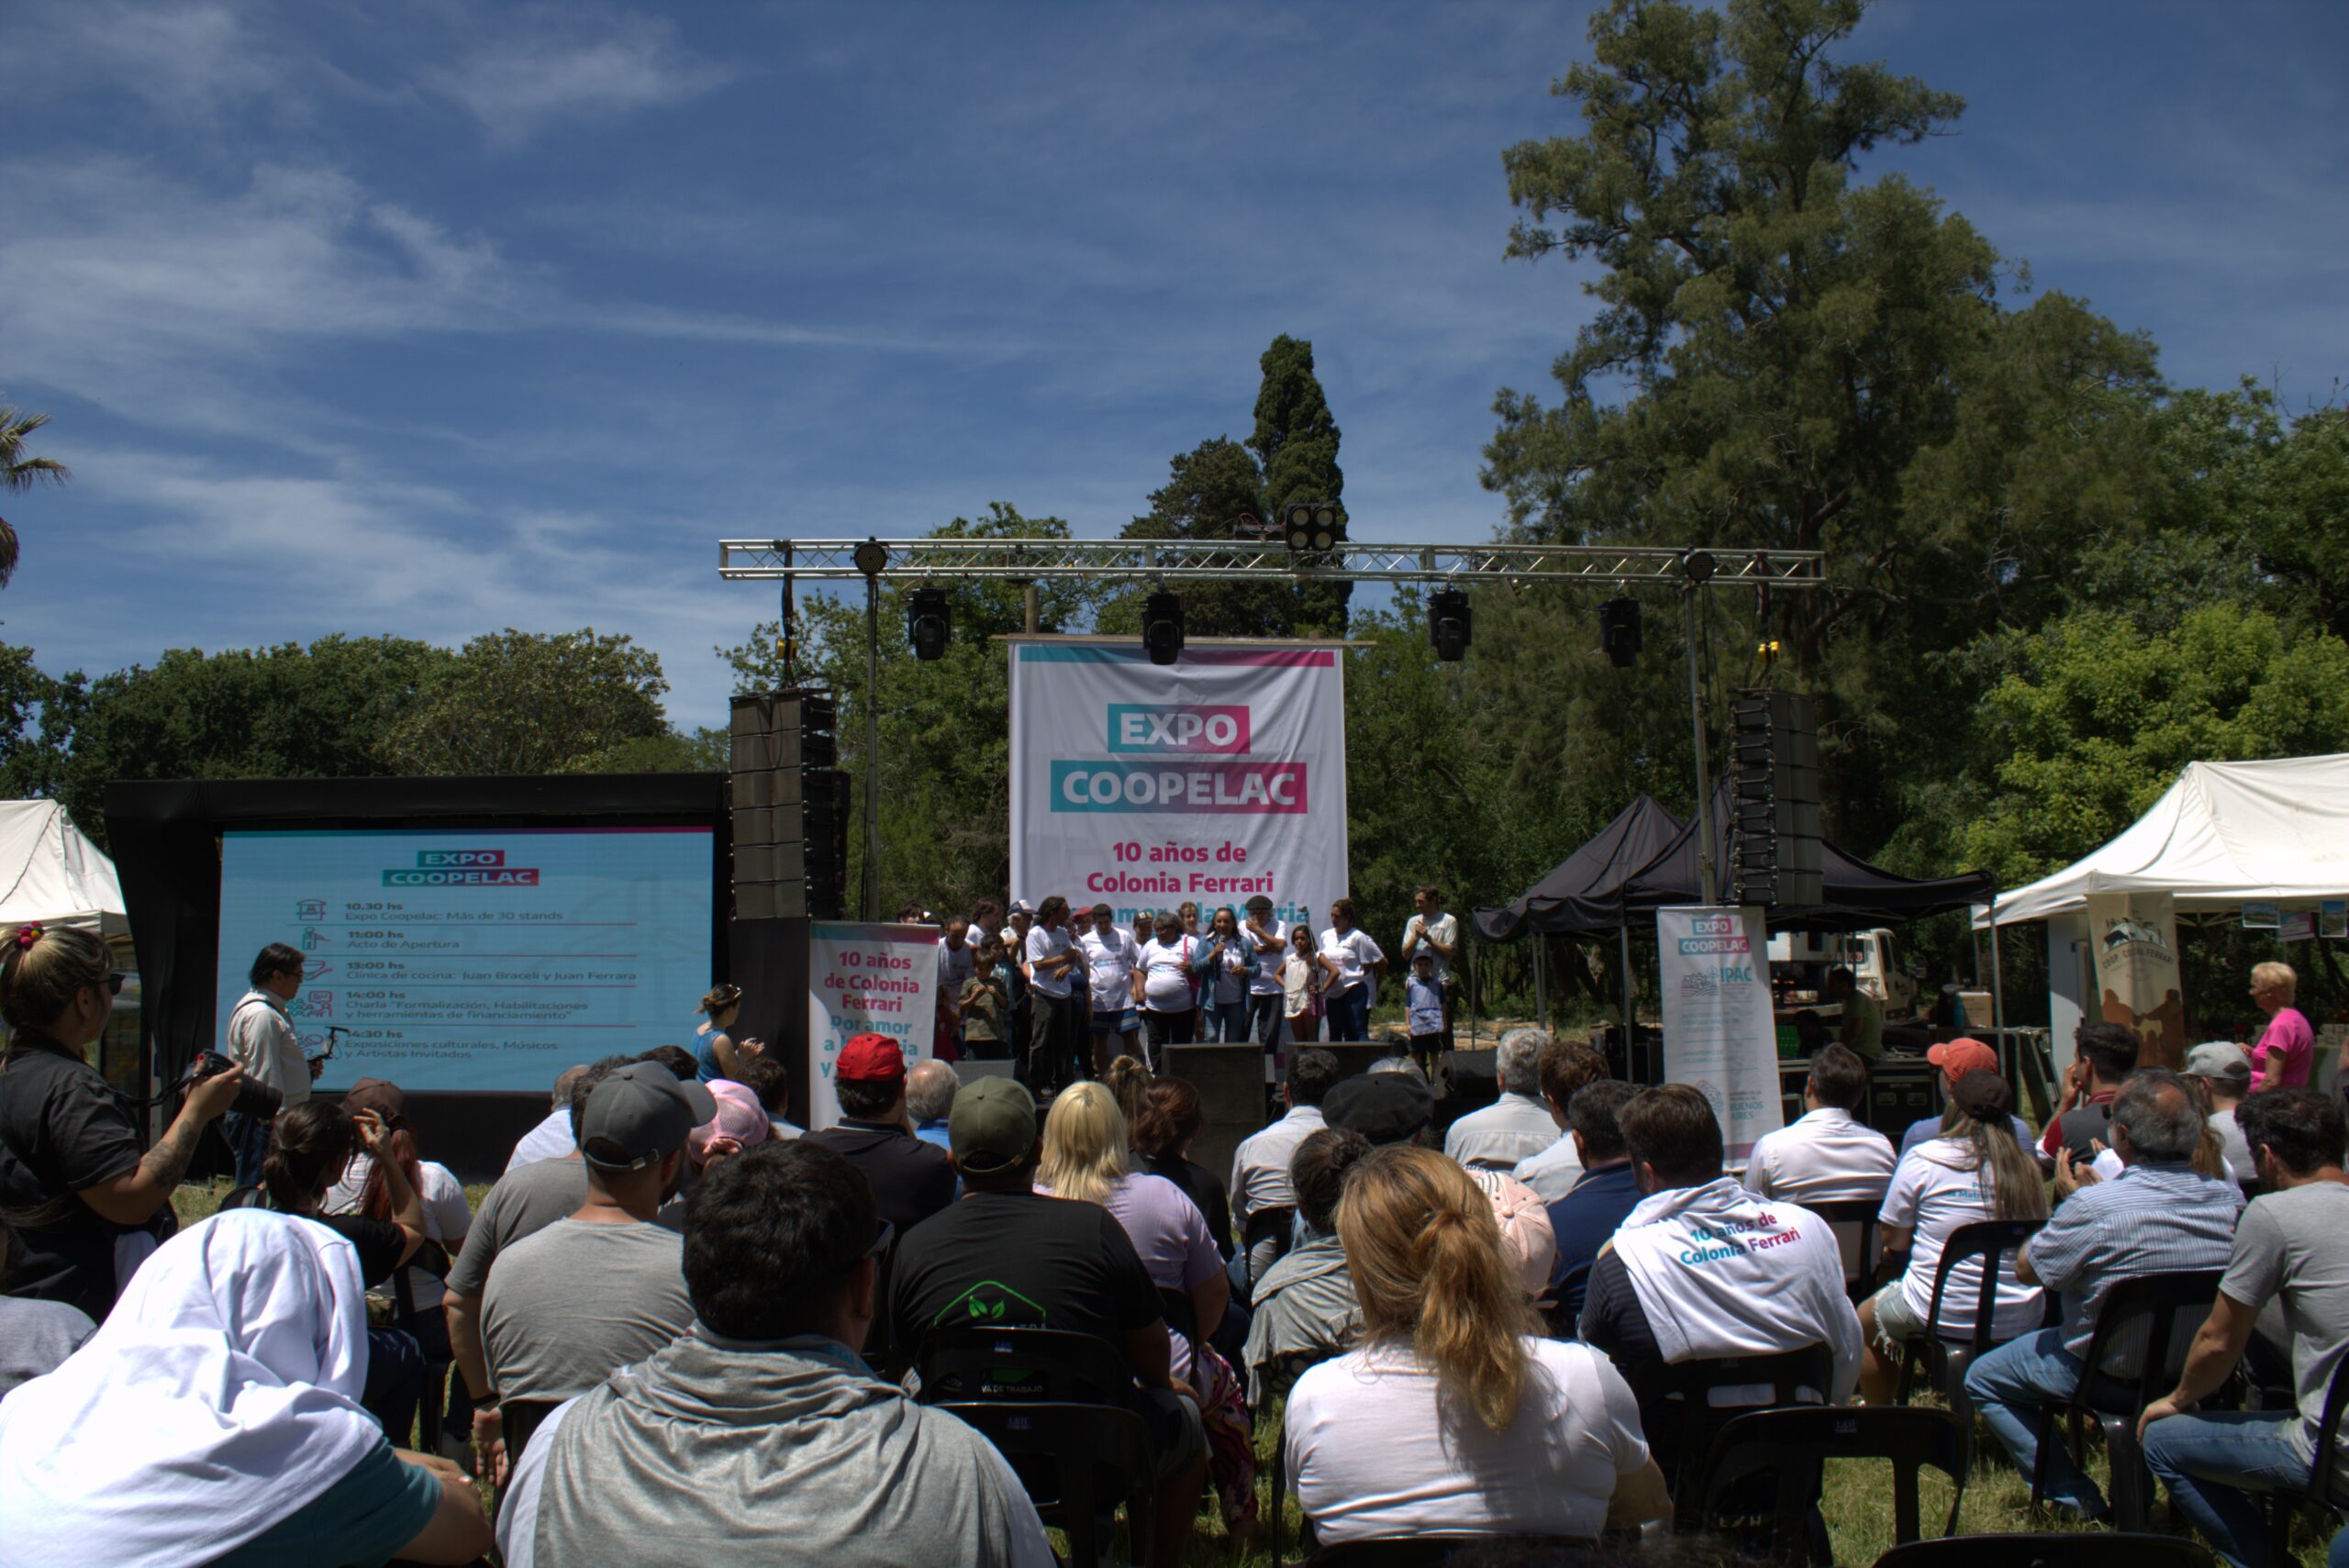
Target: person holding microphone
(87,1205)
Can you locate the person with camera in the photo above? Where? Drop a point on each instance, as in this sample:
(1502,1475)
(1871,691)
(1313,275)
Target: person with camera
(87,1205)
(264,1042)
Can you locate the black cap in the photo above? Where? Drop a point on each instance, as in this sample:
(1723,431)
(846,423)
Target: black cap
(1384,1107)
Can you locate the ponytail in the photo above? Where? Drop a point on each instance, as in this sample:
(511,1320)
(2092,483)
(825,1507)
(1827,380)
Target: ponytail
(1425,1255)
(308,1145)
(2017,1189)
(41,967)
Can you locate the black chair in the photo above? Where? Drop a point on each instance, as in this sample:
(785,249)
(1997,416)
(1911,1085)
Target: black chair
(1455,1552)
(518,1419)
(2101,1549)
(2325,1479)
(1062,1409)
(1277,1226)
(1946,1358)
(2134,1356)
(1676,1409)
(430,1407)
(1862,1213)
(1794,1446)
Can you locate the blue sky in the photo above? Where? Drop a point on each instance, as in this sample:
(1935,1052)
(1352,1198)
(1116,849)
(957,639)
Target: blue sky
(445,316)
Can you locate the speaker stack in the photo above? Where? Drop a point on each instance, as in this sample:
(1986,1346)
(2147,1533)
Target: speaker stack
(1775,858)
(791,807)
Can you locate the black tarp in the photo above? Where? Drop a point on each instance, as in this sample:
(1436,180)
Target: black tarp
(1589,894)
(1580,896)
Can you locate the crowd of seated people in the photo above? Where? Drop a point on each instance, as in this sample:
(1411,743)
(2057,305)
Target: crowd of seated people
(687,1334)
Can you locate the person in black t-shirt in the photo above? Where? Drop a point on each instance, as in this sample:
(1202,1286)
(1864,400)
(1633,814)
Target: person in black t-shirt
(1008,1256)
(910,1180)
(88,1205)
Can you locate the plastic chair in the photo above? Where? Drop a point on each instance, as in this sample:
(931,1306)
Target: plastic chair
(1061,1407)
(1946,1360)
(2324,1479)
(1677,1409)
(2102,1549)
(1455,1552)
(1862,1212)
(1794,1444)
(2133,1358)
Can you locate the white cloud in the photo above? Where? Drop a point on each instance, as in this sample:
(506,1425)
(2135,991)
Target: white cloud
(570,63)
(190,62)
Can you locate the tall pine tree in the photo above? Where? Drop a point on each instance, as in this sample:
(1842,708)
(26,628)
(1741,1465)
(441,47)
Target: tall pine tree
(1297,441)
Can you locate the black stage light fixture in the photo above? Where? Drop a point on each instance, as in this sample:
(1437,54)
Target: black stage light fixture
(1448,624)
(1619,631)
(929,624)
(871,557)
(1162,628)
(1313,525)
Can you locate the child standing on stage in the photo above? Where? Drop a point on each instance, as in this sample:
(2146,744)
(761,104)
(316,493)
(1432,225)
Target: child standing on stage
(1423,1012)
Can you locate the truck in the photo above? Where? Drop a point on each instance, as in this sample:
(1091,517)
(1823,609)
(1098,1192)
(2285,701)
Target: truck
(1799,962)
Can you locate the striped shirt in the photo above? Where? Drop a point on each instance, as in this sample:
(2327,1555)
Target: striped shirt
(2150,1219)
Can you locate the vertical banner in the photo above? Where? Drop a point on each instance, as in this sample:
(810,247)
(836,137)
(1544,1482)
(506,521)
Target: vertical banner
(1718,1030)
(2134,937)
(1213,779)
(865,980)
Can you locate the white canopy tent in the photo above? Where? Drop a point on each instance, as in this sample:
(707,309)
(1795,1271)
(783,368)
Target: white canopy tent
(2225,833)
(50,871)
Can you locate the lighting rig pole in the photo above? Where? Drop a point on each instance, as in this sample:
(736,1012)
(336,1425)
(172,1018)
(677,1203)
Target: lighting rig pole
(1312,549)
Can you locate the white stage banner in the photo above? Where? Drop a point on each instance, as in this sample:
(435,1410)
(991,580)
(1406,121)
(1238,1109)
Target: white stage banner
(861,978)
(1717,1029)
(1212,779)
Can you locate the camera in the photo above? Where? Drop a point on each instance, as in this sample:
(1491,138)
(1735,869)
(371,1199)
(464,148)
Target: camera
(254,1098)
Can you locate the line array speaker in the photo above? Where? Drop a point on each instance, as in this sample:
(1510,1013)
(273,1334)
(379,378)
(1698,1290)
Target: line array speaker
(791,807)
(1774,859)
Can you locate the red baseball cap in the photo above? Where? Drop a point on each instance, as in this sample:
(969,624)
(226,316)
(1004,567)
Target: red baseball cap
(1956,1058)
(871,1059)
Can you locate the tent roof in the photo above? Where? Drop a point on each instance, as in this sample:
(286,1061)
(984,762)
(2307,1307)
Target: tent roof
(2226,832)
(49,870)
(1856,893)
(1579,895)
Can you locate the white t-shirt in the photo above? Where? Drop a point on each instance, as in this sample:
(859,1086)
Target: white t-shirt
(1043,943)
(1167,974)
(1354,951)
(1109,965)
(1372,1451)
(447,1215)
(1825,1157)
(955,965)
(1266,980)
(550,1139)
(1444,929)
(1935,1190)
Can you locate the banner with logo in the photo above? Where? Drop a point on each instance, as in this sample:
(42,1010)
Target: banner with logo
(1213,779)
(1717,1029)
(2134,936)
(866,979)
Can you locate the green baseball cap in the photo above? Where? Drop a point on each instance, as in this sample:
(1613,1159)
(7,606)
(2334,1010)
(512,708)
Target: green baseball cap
(992,1126)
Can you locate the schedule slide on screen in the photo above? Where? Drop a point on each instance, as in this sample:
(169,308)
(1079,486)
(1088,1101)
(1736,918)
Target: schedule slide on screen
(475,961)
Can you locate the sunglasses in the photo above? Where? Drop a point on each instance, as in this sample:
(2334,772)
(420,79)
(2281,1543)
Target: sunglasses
(114,978)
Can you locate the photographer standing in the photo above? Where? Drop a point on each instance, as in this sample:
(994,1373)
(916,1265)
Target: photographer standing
(264,1042)
(86,1205)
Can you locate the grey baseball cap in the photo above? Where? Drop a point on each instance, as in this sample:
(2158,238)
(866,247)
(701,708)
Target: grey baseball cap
(639,1115)
(2220,1060)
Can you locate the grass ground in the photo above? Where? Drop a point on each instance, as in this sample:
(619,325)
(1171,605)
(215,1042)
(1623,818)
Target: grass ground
(1857,1503)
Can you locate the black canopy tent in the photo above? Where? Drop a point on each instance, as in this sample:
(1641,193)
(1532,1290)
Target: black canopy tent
(1601,888)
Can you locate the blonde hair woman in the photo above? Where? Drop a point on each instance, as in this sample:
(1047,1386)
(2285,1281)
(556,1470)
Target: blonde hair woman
(1086,1159)
(1452,1415)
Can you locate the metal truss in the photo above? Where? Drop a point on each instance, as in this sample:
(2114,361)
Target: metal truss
(1175,561)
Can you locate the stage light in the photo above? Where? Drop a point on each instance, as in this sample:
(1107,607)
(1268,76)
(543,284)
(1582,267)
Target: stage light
(871,557)
(1697,566)
(929,624)
(1619,631)
(1448,624)
(1162,628)
(1313,525)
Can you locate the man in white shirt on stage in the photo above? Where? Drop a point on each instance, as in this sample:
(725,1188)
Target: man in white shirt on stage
(1519,1124)
(264,1042)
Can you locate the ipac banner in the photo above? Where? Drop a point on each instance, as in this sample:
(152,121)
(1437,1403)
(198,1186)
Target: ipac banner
(2135,938)
(460,958)
(1212,779)
(1718,1031)
(863,979)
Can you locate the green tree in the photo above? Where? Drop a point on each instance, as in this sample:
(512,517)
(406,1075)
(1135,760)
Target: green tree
(2095,718)
(20,472)
(516,702)
(1207,489)
(1296,443)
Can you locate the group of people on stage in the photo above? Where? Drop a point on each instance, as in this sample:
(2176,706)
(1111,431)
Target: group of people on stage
(1062,992)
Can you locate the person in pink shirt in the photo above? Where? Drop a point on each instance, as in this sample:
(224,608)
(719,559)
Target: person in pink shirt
(2282,1057)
